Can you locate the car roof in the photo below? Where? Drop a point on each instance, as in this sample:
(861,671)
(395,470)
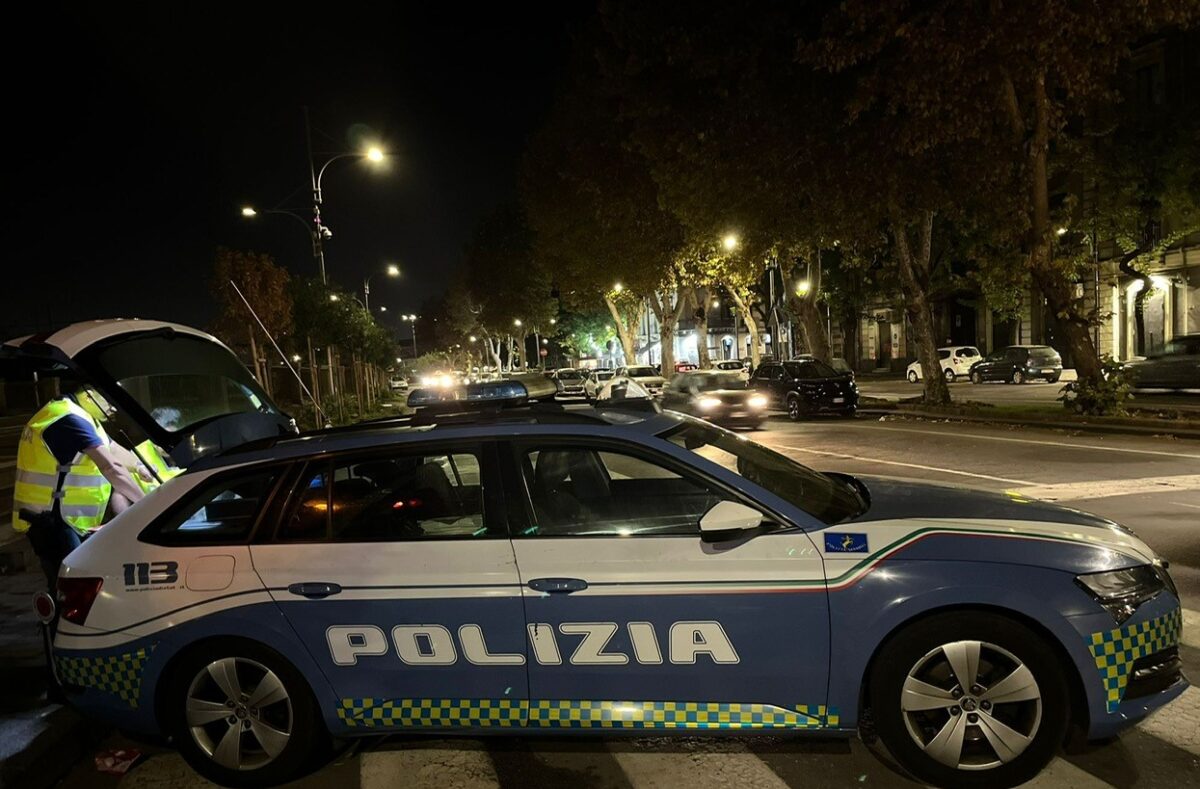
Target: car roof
(536,419)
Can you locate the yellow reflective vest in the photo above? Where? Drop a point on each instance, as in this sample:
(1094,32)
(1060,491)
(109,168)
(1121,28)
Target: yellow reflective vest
(80,489)
(152,457)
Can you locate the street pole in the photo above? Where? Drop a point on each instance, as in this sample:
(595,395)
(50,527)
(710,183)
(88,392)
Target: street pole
(318,248)
(367,293)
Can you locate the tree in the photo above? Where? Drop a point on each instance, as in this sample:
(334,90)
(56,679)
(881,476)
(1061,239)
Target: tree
(598,218)
(265,286)
(1001,83)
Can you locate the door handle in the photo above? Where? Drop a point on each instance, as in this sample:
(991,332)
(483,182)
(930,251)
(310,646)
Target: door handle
(314,590)
(558,585)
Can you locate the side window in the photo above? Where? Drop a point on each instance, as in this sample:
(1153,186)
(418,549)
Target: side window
(220,512)
(581,491)
(1015,355)
(943,355)
(388,498)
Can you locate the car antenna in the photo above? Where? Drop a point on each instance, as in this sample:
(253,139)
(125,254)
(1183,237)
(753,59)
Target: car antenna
(282,355)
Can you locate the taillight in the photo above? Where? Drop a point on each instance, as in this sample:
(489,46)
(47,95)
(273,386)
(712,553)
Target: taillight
(75,597)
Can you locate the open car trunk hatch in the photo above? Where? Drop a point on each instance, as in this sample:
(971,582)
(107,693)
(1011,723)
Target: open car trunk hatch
(178,386)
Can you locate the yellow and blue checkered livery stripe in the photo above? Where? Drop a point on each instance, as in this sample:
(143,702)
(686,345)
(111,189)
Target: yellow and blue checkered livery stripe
(120,675)
(580,714)
(1116,650)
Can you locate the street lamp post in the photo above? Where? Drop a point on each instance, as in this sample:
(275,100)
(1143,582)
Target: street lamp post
(412,322)
(392,271)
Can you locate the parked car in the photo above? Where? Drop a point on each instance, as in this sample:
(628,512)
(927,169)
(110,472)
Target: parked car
(955,361)
(803,387)
(1018,364)
(641,572)
(644,374)
(733,365)
(570,382)
(595,381)
(719,397)
(1177,367)
(398,383)
(683,367)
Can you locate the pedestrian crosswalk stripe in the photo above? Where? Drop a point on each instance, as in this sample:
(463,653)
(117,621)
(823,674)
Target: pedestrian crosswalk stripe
(1191,629)
(711,764)
(461,766)
(1178,723)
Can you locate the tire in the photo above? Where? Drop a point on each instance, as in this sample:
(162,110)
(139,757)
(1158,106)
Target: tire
(795,408)
(1018,377)
(976,378)
(912,376)
(949,376)
(291,725)
(1052,379)
(1038,714)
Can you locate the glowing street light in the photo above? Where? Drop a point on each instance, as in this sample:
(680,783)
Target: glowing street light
(375,154)
(393,270)
(730,242)
(553,321)
(249,212)
(516,321)
(472,338)
(383,309)
(295,357)
(1062,231)
(334,297)
(803,287)
(617,288)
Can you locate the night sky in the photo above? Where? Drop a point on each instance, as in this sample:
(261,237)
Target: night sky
(135,138)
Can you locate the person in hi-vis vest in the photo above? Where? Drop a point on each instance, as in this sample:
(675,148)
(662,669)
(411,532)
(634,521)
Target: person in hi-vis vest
(71,477)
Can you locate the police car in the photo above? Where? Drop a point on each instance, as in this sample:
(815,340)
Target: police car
(500,565)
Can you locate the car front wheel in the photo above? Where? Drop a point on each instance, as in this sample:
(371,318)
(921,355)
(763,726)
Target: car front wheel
(949,376)
(912,376)
(242,715)
(1018,377)
(970,699)
(795,408)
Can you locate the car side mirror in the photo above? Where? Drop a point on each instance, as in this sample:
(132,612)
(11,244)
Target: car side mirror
(728,520)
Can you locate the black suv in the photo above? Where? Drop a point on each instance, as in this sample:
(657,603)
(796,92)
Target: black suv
(1018,364)
(806,386)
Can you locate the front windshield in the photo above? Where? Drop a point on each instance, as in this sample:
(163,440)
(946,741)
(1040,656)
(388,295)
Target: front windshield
(810,368)
(182,380)
(828,499)
(640,372)
(708,382)
(569,375)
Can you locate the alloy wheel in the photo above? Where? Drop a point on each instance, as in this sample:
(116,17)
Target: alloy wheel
(794,409)
(1018,377)
(239,713)
(912,376)
(971,705)
(976,378)
(949,376)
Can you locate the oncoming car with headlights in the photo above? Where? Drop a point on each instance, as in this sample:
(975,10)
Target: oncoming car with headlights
(496,565)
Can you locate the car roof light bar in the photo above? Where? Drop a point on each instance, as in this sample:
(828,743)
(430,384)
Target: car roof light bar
(517,390)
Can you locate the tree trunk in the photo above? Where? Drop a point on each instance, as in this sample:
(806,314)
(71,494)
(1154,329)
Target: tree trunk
(741,297)
(316,381)
(816,333)
(668,314)
(627,327)
(700,299)
(914,279)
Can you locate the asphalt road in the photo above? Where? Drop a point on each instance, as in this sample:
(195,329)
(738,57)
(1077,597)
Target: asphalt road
(1033,393)
(1149,484)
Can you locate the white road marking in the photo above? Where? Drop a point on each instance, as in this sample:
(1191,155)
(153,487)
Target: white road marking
(1178,723)
(1061,774)
(1103,488)
(955,471)
(1191,628)
(699,766)
(460,766)
(1034,441)
(1184,504)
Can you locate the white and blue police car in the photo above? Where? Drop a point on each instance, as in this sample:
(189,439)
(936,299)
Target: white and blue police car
(494,564)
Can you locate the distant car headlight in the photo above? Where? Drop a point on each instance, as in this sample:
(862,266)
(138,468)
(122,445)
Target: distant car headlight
(708,403)
(757,401)
(1120,592)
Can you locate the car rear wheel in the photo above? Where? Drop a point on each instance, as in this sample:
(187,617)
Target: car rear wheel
(970,699)
(242,715)
(1018,377)
(1052,379)
(976,377)
(912,376)
(795,408)
(949,376)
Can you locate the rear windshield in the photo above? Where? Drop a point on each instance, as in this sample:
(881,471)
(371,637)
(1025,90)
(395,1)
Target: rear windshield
(604,375)
(182,381)
(1044,356)
(729,365)
(967,353)
(640,372)
(810,368)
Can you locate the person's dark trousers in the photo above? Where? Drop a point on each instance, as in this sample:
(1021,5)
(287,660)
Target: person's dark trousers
(51,539)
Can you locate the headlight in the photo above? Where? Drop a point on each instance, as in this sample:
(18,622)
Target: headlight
(708,403)
(757,401)
(1122,591)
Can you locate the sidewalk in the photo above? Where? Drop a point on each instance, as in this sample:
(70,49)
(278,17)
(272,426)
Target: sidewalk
(1000,415)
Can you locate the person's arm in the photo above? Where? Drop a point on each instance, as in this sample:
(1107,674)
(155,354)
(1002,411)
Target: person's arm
(115,472)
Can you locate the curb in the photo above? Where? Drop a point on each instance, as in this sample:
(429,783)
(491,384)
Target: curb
(58,738)
(1164,429)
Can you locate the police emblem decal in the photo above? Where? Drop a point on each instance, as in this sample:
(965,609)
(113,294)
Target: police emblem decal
(842,542)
